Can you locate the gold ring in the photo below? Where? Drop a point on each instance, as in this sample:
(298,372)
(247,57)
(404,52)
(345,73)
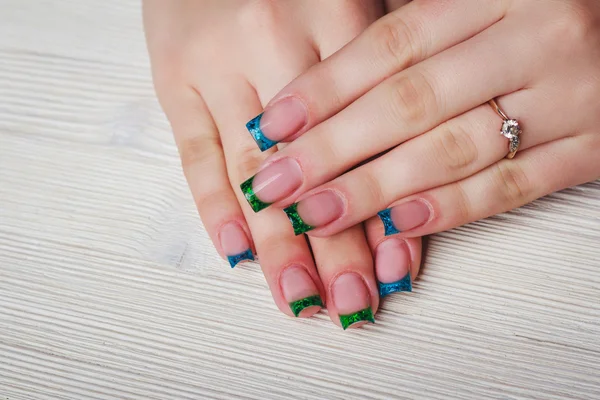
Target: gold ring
(511,129)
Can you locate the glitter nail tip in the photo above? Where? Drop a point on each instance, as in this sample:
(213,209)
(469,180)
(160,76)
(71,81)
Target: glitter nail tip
(298,224)
(299,305)
(388,224)
(238,258)
(263,142)
(362,315)
(250,196)
(403,285)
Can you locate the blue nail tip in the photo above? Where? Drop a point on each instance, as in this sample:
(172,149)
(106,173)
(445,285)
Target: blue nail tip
(263,142)
(403,285)
(388,224)
(238,258)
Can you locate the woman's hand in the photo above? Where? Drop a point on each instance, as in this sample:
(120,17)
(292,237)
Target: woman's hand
(215,64)
(412,90)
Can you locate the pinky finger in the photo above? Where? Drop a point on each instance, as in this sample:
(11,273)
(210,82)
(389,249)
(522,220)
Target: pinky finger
(501,187)
(397,260)
(204,167)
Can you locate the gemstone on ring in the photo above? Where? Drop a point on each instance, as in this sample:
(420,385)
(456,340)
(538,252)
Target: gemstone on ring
(514,144)
(511,129)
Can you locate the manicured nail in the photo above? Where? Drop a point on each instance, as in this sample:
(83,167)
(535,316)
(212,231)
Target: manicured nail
(277,181)
(392,267)
(404,217)
(352,300)
(315,211)
(281,120)
(300,291)
(235,244)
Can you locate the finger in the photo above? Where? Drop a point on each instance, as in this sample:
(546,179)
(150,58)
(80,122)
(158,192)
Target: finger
(450,152)
(345,266)
(404,106)
(503,186)
(332,253)
(200,150)
(286,260)
(347,296)
(294,55)
(403,38)
(397,260)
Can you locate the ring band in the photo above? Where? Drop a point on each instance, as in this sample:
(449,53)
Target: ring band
(511,129)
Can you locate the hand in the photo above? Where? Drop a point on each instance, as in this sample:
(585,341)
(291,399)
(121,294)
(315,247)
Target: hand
(215,64)
(414,87)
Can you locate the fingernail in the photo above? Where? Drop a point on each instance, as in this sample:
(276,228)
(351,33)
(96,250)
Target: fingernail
(315,211)
(235,244)
(274,183)
(279,121)
(392,267)
(300,291)
(404,217)
(352,300)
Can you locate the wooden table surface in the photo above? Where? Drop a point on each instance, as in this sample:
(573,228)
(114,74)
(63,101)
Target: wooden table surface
(110,288)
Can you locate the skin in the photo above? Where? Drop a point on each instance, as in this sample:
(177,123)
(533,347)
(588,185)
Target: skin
(215,65)
(418,87)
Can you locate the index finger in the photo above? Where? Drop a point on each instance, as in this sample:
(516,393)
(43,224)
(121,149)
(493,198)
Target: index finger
(403,38)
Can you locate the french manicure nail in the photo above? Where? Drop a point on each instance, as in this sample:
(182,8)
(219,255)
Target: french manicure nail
(315,211)
(235,244)
(300,291)
(273,183)
(352,300)
(279,121)
(392,267)
(404,217)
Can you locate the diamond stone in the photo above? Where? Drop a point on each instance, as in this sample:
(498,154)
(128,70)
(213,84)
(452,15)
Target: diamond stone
(514,144)
(511,129)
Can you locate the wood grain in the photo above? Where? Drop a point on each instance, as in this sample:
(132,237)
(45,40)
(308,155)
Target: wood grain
(110,289)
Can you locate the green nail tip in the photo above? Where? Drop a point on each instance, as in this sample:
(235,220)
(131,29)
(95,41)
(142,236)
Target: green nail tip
(299,225)
(254,201)
(299,305)
(362,315)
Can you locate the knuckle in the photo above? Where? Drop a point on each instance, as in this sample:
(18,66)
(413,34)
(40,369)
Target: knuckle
(454,147)
(513,183)
(202,151)
(395,42)
(207,200)
(411,98)
(247,158)
(274,243)
(463,211)
(371,188)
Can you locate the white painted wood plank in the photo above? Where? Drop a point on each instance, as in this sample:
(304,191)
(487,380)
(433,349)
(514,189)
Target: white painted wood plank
(110,289)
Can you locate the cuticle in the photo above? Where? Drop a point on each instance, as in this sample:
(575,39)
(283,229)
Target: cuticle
(349,271)
(241,226)
(285,97)
(432,213)
(385,239)
(339,194)
(292,265)
(403,241)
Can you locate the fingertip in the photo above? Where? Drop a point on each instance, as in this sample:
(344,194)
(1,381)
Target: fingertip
(397,259)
